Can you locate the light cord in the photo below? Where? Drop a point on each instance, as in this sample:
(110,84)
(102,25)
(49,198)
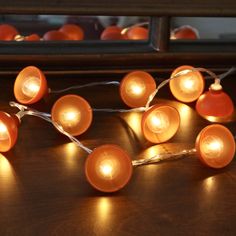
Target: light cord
(163,157)
(85,86)
(24,110)
(138,109)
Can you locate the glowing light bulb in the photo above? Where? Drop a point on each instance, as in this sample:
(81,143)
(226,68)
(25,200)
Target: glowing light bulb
(107,168)
(212,146)
(188,85)
(3,132)
(136,88)
(158,122)
(31,86)
(70,118)
(215,146)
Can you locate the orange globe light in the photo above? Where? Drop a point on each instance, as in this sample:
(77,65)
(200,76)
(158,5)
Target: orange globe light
(73,113)
(8,131)
(185,32)
(215,102)
(186,87)
(55,35)
(111,33)
(32,37)
(215,146)
(30,85)
(7,32)
(74,32)
(160,123)
(137,33)
(136,87)
(108,168)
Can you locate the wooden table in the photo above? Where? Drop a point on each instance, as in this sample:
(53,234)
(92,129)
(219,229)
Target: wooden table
(43,189)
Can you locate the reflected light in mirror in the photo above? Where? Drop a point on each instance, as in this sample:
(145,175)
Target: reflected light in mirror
(73,32)
(7,32)
(136,33)
(55,35)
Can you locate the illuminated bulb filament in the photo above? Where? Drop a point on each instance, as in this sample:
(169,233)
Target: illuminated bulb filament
(70,118)
(135,89)
(158,122)
(212,146)
(188,84)
(31,86)
(107,169)
(3,132)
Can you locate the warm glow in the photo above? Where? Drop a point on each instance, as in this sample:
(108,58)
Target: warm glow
(3,132)
(158,122)
(107,168)
(70,117)
(212,146)
(135,88)
(31,86)
(188,84)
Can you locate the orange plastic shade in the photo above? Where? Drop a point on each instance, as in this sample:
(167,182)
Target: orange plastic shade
(136,87)
(185,32)
(30,85)
(112,33)
(160,123)
(8,132)
(108,168)
(74,32)
(137,33)
(73,113)
(7,32)
(215,103)
(187,87)
(32,37)
(55,35)
(215,146)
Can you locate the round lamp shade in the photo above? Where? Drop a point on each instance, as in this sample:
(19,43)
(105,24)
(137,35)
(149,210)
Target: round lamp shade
(136,87)
(30,85)
(7,32)
(73,113)
(8,132)
(108,168)
(185,32)
(55,35)
(112,33)
(74,32)
(215,103)
(137,33)
(160,123)
(188,86)
(215,146)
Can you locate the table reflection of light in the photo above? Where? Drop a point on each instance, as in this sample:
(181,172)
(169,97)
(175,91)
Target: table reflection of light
(209,184)
(134,121)
(185,114)
(103,209)
(7,176)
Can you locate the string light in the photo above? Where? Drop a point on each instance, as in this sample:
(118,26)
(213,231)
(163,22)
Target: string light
(112,33)
(73,32)
(55,35)
(73,113)
(215,102)
(30,85)
(8,32)
(136,33)
(188,86)
(215,146)
(160,123)
(136,87)
(108,168)
(185,32)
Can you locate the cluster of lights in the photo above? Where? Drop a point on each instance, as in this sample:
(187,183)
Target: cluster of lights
(108,167)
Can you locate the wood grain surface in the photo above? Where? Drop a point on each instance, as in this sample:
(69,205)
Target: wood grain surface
(43,189)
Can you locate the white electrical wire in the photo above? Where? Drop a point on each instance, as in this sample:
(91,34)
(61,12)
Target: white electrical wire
(24,110)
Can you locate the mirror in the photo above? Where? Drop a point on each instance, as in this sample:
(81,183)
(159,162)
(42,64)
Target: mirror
(36,28)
